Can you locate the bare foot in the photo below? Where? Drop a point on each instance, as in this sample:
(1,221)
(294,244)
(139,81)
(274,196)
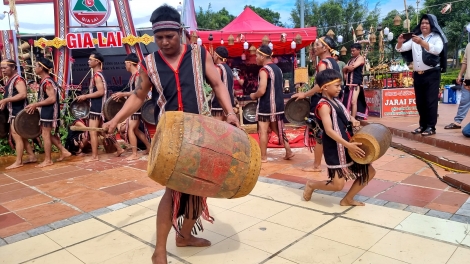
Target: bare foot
(346,202)
(159,258)
(44,164)
(308,192)
(119,152)
(92,159)
(31,160)
(146,152)
(289,156)
(312,169)
(264,160)
(14,166)
(192,241)
(63,155)
(132,157)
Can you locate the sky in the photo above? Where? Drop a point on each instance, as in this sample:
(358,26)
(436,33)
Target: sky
(141,10)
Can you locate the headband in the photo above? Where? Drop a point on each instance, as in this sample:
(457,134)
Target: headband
(223,59)
(328,83)
(7,62)
(161,25)
(135,63)
(327,46)
(42,65)
(264,54)
(92,58)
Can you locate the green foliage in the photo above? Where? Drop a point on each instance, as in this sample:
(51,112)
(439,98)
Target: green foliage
(209,19)
(5,149)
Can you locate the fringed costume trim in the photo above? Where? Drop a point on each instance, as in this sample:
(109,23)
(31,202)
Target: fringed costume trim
(182,203)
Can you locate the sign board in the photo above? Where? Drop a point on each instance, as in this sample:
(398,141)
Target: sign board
(90,13)
(23,2)
(374,101)
(86,41)
(399,102)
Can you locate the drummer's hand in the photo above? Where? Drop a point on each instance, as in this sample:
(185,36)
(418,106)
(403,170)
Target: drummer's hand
(252,96)
(233,120)
(117,95)
(2,104)
(30,108)
(355,122)
(299,96)
(81,98)
(354,147)
(110,127)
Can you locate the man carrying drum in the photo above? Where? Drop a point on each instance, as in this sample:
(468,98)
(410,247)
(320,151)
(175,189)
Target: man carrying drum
(220,57)
(15,99)
(97,96)
(49,108)
(132,130)
(172,71)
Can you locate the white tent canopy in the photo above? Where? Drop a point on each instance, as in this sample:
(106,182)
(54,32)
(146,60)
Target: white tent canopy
(39,18)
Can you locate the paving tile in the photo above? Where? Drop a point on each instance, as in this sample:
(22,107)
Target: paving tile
(439,214)
(137,255)
(461,255)
(394,205)
(290,178)
(229,251)
(2,242)
(100,211)
(185,252)
(433,227)
(12,187)
(78,232)
(413,249)
(18,237)
(260,208)
(15,229)
(229,223)
(372,258)
(323,250)
(152,204)
(373,188)
(352,233)
(17,194)
(285,195)
(296,218)
(30,176)
(464,212)
(127,215)
(466,241)
(4,180)
(451,199)
(80,217)
(133,201)
(39,230)
(44,180)
(407,165)
(228,203)
(60,224)
(278,260)
(391,176)
(461,219)
(65,169)
(378,215)
(9,219)
(262,188)
(324,203)
(152,195)
(425,182)
(3,210)
(62,189)
(416,209)
(61,256)
(376,201)
(37,246)
(104,247)
(47,213)
(410,195)
(27,202)
(140,192)
(117,206)
(91,200)
(123,188)
(146,230)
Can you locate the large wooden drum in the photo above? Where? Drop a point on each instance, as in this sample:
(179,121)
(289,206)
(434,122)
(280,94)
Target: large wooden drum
(375,139)
(202,156)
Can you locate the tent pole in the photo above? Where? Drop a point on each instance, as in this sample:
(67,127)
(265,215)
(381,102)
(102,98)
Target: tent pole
(302,51)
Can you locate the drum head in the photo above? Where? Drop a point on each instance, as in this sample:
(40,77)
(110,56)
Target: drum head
(26,125)
(297,111)
(148,110)
(112,107)
(80,110)
(249,112)
(4,125)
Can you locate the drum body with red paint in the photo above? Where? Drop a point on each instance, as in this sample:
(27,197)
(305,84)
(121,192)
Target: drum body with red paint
(202,156)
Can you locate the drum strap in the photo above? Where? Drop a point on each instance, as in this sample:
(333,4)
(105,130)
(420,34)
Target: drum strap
(199,81)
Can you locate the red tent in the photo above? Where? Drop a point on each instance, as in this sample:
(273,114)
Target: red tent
(253,28)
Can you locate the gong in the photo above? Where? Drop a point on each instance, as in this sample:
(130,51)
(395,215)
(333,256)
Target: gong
(249,111)
(148,110)
(297,111)
(27,125)
(4,126)
(112,107)
(80,110)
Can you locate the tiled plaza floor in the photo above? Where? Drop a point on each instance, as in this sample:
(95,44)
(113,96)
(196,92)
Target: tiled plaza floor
(271,225)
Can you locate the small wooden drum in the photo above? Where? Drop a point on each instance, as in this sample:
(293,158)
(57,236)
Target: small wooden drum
(148,112)
(112,107)
(202,156)
(297,111)
(249,111)
(375,139)
(27,125)
(4,125)
(80,110)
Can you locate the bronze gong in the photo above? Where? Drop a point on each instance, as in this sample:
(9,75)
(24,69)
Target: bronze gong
(249,111)
(27,125)
(80,110)
(297,111)
(148,110)
(112,107)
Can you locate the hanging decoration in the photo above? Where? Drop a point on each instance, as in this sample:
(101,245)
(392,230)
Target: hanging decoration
(194,37)
(359,30)
(343,51)
(252,50)
(298,39)
(265,40)
(231,40)
(397,20)
(331,34)
(283,37)
(446,9)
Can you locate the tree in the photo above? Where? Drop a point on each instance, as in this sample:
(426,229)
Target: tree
(213,20)
(267,14)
